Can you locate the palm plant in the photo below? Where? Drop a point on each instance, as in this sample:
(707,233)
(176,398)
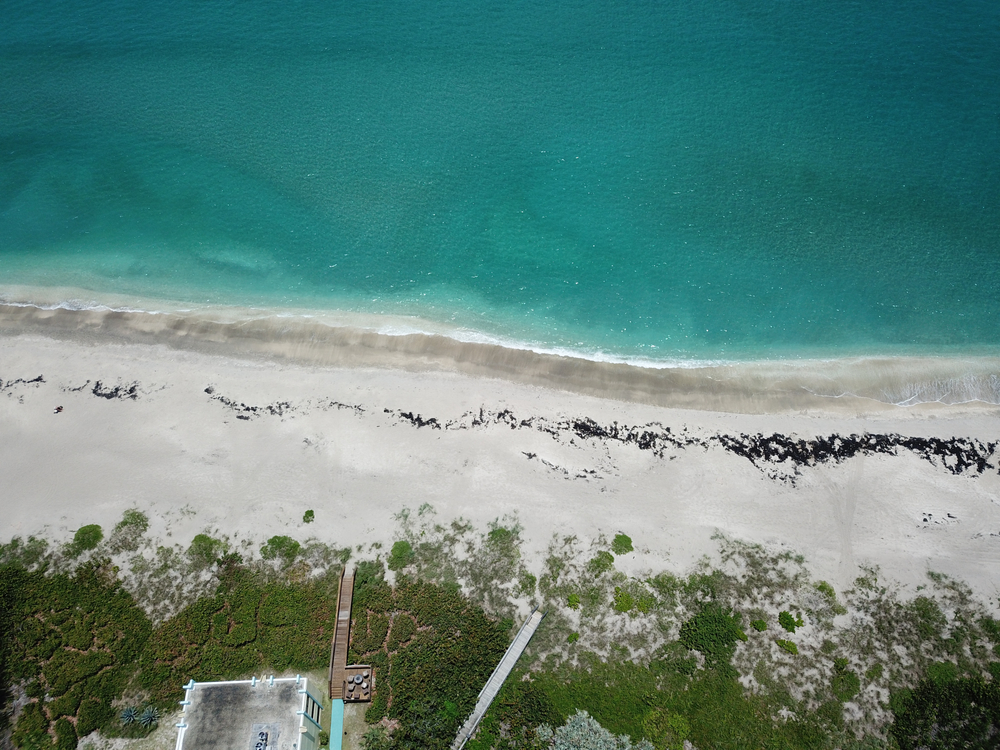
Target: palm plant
(150,715)
(129,715)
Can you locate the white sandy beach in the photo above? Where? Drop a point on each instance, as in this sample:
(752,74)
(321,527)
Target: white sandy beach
(191,451)
(243,445)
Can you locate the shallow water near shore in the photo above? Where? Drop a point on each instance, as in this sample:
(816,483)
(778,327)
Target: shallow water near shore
(634,183)
(845,385)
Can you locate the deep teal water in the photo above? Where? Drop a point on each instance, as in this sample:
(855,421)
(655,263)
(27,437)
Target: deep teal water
(724,179)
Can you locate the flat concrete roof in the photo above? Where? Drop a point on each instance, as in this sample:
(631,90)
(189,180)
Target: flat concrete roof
(244,715)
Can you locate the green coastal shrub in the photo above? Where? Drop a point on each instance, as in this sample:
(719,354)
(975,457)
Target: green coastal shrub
(928,618)
(86,538)
(759,625)
(666,729)
(826,590)
(787,646)
(403,629)
(128,532)
(959,713)
(874,672)
(573,637)
(789,622)
(283,547)
(308,517)
(205,551)
(78,641)
(942,672)
(573,601)
(621,545)
(713,632)
(500,537)
(65,735)
(601,563)
(526,583)
(845,683)
(248,625)
(623,601)
(401,555)
(413,688)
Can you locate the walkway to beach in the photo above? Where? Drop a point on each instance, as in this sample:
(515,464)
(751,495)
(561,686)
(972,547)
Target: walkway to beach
(500,674)
(341,638)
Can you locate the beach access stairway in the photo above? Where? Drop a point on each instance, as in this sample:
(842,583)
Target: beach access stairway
(500,674)
(341,637)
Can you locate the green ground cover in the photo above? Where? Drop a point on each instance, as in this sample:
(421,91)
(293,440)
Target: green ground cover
(658,658)
(433,651)
(73,642)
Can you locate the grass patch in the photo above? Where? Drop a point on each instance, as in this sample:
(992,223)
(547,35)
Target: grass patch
(713,632)
(788,646)
(85,539)
(621,545)
(601,563)
(128,532)
(205,550)
(401,555)
(281,548)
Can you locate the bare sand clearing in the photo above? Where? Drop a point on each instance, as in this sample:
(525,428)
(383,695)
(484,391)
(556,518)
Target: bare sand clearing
(244,445)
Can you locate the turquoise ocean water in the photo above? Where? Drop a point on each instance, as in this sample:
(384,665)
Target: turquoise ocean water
(668,181)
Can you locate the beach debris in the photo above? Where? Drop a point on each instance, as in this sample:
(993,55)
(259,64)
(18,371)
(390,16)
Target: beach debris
(415,419)
(119,392)
(8,385)
(780,457)
(247,412)
(58,410)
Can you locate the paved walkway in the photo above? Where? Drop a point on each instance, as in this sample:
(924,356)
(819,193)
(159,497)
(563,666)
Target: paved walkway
(500,674)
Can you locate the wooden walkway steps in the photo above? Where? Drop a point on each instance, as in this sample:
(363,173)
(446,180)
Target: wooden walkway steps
(500,674)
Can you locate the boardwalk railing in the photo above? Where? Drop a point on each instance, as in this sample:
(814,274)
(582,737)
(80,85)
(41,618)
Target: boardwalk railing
(500,674)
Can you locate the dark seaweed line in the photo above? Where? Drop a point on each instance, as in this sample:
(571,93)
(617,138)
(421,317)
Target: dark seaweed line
(119,392)
(958,455)
(245,412)
(21,381)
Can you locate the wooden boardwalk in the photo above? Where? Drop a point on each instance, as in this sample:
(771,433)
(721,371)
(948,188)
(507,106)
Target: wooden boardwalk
(341,637)
(500,674)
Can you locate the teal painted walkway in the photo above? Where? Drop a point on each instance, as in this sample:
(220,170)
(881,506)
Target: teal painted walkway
(336,724)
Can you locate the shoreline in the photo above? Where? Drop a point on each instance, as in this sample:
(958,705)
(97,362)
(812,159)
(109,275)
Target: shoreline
(246,445)
(914,385)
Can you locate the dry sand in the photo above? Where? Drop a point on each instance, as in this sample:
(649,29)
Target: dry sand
(181,440)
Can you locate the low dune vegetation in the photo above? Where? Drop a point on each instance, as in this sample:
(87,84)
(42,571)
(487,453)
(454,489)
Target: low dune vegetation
(743,651)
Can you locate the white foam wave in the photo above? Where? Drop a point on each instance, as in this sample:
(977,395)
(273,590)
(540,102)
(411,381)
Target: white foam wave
(903,381)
